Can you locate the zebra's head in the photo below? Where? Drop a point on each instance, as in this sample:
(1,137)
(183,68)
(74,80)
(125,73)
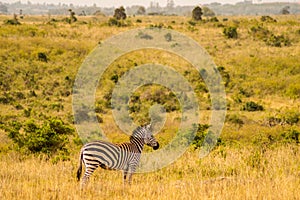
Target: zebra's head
(149,139)
(145,133)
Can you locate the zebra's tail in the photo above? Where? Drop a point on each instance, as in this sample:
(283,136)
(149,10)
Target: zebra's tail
(79,171)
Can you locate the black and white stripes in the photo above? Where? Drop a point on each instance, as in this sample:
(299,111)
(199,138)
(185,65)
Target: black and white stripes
(124,156)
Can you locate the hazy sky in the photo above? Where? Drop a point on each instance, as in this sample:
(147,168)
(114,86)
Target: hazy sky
(115,3)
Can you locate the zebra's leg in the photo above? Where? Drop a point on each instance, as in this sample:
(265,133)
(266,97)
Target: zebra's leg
(125,173)
(88,172)
(131,170)
(129,177)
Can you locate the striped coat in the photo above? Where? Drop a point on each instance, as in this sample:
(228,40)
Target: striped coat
(124,156)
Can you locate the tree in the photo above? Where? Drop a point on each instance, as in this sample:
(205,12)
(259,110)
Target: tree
(285,10)
(141,10)
(197,13)
(120,13)
(207,12)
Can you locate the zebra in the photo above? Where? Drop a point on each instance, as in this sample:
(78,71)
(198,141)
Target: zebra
(124,156)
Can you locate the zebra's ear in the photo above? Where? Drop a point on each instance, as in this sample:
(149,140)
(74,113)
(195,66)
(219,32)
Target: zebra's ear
(149,126)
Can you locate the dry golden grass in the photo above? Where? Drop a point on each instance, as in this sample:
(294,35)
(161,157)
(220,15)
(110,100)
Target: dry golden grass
(227,173)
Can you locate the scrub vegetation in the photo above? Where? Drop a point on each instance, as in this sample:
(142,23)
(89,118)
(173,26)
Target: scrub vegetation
(257,155)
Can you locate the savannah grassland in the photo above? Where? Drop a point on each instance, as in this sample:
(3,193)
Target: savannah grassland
(258,156)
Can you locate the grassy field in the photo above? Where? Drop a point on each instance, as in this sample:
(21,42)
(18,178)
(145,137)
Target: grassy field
(257,158)
(227,173)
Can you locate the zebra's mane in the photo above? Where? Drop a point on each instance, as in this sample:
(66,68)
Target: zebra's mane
(140,132)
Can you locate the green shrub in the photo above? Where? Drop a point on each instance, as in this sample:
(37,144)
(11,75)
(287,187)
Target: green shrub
(230,32)
(168,37)
(12,22)
(160,25)
(18,106)
(119,23)
(6,98)
(268,37)
(200,135)
(277,41)
(145,36)
(42,57)
(259,32)
(49,138)
(225,75)
(192,23)
(82,115)
(252,106)
(214,19)
(267,19)
(235,119)
(291,117)
(114,22)
(290,136)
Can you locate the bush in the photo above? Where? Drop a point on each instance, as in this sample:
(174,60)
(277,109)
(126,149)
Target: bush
(259,32)
(268,37)
(252,106)
(267,19)
(291,117)
(277,41)
(230,32)
(225,75)
(192,23)
(42,57)
(235,119)
(6,98)
(200,135)
(49,138)
(115,22)
(214,19)
(290,136)
(12,22)
(168,37)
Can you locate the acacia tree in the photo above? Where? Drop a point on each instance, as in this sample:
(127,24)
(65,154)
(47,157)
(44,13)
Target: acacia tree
(120,13)
(141,10)
(197,13)
(285,10)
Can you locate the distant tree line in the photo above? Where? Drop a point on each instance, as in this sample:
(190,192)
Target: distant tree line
(155,9)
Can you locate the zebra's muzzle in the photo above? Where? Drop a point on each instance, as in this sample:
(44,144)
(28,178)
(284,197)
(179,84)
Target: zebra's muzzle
(156,146)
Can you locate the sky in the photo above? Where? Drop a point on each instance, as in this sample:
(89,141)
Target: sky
(146,3)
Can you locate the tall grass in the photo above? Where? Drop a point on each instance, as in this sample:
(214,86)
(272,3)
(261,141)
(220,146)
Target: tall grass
(227,173)
(247,165)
